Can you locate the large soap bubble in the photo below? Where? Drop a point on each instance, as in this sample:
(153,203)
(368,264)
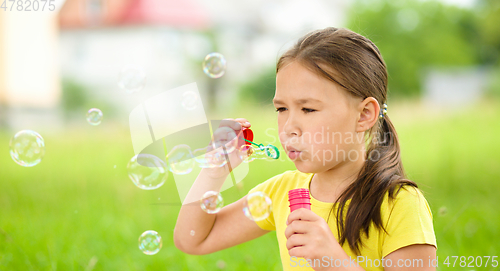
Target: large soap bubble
(181,160)
(211,202)
(150,242)
(147,171)
(258,206)
(27,148)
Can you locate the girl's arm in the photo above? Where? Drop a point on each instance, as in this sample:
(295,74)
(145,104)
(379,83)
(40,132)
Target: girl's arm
(214,232)
(413,257)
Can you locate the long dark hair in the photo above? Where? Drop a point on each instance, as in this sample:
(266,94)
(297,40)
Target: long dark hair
(355,63)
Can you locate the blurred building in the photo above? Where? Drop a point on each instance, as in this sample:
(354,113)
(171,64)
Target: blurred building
(454,87)
(90,41)
(29,77)
(169,40)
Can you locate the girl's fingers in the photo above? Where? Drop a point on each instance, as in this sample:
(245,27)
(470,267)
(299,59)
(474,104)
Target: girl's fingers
(296,240)
(298,252)
(235,124)
(301,214)
(297,226)
(244,122)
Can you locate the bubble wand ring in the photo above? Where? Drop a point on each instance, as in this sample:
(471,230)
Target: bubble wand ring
(271,150)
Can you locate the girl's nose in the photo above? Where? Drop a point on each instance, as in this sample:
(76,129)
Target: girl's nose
(292,127)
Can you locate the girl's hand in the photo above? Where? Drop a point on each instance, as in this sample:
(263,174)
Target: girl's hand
(222,137)
(310,237)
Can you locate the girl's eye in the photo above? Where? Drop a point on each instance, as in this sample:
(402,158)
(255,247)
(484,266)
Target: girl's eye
(281,109)
(308,110)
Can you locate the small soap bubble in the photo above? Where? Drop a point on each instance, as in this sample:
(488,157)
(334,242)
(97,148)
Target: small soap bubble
(132,78)
(246,152)
(216,158)
(94,116)
(211,202)
(221,264)
(258,206)
(209,159)
(214,65)
(150,242)
(443,211)
(147,171)
(192,232)
(248,259)
(258,152)
(225,139)
(181,160)
(190,100)
(27,148)
(239,185)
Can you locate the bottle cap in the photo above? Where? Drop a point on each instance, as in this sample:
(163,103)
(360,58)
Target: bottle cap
(299,198)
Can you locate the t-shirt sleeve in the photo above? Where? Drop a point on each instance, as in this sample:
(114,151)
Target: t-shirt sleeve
(269,187)
(408,221)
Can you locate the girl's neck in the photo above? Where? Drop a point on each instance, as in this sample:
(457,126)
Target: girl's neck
(327,186)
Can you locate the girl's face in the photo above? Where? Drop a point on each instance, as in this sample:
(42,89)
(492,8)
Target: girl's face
(317,120)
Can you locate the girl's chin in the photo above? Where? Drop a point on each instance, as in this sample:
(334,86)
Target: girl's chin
(311,167)
(305,166)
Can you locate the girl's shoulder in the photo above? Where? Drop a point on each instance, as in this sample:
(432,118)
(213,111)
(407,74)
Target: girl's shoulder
(407,220)
(405,199)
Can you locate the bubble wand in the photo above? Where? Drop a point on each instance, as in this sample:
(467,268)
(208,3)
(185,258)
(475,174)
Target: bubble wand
(271,151)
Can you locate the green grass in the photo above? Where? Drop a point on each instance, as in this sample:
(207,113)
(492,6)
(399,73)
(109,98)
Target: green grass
(75,211)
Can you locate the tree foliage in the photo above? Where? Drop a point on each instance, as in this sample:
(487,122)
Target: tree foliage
(413,35)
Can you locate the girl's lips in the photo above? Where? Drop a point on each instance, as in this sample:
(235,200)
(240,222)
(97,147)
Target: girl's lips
(294,154)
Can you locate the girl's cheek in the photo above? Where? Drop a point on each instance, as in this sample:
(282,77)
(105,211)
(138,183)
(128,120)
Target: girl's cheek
(282,137)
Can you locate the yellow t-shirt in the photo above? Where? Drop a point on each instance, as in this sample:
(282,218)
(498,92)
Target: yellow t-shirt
(407,219)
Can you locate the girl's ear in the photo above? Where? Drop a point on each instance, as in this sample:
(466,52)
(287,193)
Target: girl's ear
(368,110)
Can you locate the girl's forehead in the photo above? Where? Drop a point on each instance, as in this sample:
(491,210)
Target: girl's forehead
(294,82)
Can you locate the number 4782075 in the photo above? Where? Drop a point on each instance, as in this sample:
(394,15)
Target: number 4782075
(471,261)
(28,5)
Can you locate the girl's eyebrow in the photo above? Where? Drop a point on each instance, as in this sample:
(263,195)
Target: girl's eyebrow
(300,101)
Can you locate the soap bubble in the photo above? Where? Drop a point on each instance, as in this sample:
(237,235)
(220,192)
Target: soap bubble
(258,206)
(190,100)
(221,264)
(147,171)
(150,242)
(209,159)
(211,202)
(214,65)
(27,148)
(239,185)
(132,78)
(225,139)
(260,153)
(443,211)
(192,233)
(216,158)
(180,160)
(246,152)
(94,116)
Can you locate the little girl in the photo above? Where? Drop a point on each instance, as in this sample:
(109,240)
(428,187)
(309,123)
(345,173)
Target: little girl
(331,90)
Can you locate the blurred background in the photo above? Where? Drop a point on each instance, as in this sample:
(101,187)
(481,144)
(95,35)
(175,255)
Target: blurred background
(78,210)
